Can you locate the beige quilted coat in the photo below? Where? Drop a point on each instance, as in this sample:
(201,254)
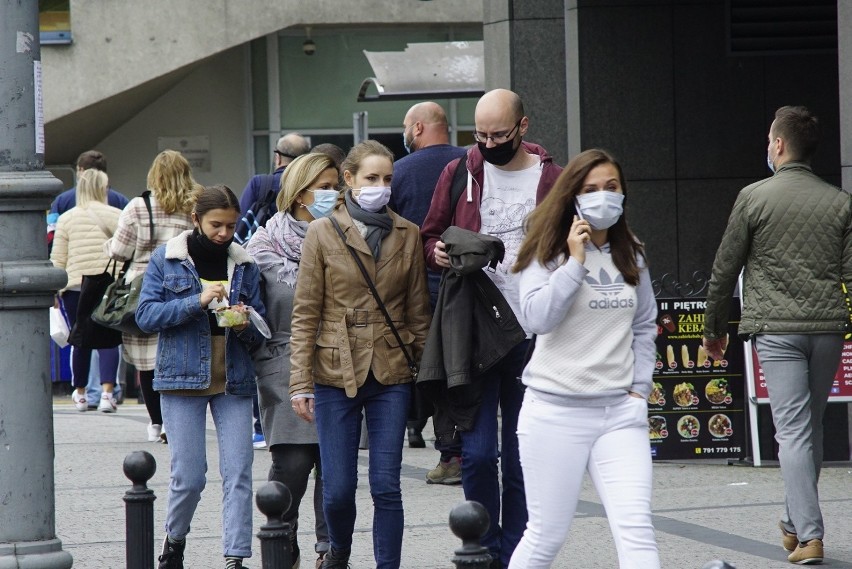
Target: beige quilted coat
(79,241)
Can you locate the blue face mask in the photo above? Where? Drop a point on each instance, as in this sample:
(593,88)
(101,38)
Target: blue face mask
(324,203)
(769,163)
(406,144)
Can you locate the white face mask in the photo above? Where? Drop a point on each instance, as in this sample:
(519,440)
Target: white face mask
(601,209)
(372,198)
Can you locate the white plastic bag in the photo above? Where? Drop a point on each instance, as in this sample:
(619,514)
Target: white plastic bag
(59,329)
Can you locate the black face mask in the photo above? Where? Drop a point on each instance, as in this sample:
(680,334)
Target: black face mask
(208,245)
(499,154)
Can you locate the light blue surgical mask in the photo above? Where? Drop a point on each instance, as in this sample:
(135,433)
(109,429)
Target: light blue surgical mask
(769,162)
(408,144)
(324,203)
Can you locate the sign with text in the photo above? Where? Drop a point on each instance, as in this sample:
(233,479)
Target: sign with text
(697,406)
(841,391)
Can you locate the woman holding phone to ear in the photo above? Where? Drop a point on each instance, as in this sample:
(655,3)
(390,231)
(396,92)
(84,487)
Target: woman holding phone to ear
(585,290)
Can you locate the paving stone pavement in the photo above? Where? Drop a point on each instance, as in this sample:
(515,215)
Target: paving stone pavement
(702,509)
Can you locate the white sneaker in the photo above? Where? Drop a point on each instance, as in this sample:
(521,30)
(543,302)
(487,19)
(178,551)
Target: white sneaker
(108,403)
(154,432)
(79,400)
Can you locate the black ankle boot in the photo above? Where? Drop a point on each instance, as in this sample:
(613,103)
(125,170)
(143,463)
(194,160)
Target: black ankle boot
(335,559)
(172,556)
(415,438)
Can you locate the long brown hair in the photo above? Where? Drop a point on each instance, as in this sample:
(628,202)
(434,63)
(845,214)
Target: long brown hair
(548,225)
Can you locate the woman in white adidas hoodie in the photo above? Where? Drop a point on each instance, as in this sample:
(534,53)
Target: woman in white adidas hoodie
(586,292)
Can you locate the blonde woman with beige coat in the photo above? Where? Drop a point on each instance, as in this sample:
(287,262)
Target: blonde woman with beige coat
(172,194)
(78,248)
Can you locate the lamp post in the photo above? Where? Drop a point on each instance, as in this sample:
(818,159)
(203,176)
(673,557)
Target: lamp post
(27,285)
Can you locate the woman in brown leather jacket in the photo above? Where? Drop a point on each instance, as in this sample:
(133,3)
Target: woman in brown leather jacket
(345,358)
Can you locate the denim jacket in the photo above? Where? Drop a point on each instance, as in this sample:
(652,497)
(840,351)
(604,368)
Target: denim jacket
(170,304)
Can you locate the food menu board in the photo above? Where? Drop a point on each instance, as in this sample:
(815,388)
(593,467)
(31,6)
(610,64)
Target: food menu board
(696,408)
(841,391)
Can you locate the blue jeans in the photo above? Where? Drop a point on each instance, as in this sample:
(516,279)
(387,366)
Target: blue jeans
(338,421)
(480,453)
(93,387)
(186,417)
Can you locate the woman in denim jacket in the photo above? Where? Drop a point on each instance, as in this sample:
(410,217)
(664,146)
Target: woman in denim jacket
(201,364)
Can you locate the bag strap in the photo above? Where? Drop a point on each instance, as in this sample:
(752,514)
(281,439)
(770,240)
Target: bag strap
(146,197)
(411,365)
(100,222)
(266,187)
(458,184)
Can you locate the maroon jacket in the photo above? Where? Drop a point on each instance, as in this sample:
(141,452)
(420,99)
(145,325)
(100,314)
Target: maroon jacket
(466,214)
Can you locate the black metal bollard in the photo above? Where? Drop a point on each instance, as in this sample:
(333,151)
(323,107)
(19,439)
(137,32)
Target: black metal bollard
(273,499)
(717,564)
(139,467)
(469,520)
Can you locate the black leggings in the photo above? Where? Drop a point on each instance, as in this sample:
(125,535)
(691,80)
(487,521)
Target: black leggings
(292,465)
(152,398)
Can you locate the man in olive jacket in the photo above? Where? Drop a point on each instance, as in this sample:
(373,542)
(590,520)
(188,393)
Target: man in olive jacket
(793,235)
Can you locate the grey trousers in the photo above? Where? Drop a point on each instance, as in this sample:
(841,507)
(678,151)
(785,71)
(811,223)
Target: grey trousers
(799,370)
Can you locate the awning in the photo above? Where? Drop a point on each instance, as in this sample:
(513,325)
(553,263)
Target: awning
(437,70)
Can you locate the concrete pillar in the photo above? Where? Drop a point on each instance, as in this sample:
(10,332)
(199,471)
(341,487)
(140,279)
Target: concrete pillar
(844,62)
(525,52)
(27,285)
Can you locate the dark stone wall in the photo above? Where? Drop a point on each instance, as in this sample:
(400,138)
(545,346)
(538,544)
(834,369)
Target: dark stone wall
(688,120)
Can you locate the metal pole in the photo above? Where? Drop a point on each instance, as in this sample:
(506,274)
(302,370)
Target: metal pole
(273,499)
(27,285)
(139,467)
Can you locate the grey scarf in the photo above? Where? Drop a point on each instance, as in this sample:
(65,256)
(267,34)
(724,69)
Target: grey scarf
(279,245)
(378,224)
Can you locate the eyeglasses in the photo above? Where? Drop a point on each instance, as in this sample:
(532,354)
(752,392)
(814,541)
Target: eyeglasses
(497,137)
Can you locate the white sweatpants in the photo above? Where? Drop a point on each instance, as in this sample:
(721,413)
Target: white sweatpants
(557,445)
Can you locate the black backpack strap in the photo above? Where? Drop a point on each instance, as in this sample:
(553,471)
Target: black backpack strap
(459,183)
(266,187)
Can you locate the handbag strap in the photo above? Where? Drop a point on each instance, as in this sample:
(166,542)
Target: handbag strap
(411,365)
(100,223)
(146,197)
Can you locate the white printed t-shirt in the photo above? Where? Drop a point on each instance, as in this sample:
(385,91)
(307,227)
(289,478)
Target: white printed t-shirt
(508,197)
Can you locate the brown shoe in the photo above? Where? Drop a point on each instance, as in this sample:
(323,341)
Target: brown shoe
(808,554)
(448,473)
(789,541)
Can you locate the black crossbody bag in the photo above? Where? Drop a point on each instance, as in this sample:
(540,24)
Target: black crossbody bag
(412,366)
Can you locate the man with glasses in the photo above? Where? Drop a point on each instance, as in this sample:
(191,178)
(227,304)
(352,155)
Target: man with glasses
(256,193)
(506,178)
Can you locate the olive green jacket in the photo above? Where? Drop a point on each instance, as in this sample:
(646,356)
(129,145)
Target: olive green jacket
(793,234)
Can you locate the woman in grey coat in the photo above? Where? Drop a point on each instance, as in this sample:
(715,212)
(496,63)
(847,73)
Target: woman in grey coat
(308,191)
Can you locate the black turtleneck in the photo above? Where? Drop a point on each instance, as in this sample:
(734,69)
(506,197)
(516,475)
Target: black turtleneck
(211,266)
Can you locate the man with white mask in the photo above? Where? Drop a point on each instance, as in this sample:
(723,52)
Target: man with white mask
(792,233)
(506,178)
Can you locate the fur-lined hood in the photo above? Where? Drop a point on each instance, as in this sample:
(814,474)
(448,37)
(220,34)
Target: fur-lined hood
(176,248)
